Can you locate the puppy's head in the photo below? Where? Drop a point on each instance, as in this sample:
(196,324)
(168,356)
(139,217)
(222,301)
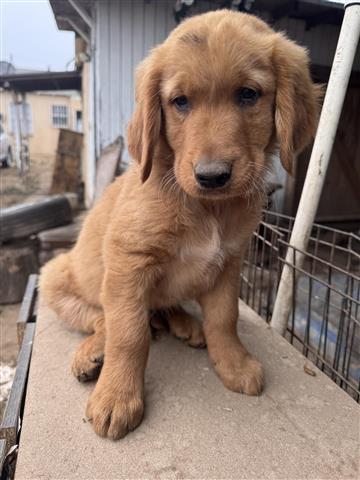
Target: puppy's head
(221,92)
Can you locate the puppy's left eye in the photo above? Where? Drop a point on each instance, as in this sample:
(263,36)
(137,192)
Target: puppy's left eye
(246,96)
(181,103)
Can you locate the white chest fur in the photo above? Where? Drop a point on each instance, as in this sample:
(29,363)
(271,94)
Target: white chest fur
(194,268)
(197,261)
(204,250)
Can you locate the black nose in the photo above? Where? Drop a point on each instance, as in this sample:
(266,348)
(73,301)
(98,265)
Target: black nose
(212,175)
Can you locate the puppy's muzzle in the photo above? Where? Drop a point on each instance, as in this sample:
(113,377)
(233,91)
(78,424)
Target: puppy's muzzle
(212,175)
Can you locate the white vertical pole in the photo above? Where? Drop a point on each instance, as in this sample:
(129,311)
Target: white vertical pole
(17,127)
(92,119)
(91,146)
(319,161)
(25,160)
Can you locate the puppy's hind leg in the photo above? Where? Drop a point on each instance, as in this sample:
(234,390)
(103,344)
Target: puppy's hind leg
(58,287)
(89,357)
(185,327)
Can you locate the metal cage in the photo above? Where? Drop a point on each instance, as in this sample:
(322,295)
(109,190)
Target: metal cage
(325,318)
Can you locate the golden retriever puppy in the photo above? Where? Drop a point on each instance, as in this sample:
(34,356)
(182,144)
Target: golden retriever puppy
(213,102)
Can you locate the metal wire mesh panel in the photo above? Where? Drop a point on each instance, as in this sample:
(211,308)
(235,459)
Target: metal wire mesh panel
(325,318)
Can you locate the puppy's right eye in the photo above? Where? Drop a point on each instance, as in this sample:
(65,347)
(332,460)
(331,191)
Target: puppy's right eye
(246,96)
(181,103)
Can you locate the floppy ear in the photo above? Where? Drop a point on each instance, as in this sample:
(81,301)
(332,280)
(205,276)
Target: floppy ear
(297,100)
(144,128)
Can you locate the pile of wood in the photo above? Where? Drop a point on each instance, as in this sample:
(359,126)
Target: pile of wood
(19,252)
(31,234)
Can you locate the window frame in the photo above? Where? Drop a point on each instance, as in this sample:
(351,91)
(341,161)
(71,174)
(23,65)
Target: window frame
(59,115)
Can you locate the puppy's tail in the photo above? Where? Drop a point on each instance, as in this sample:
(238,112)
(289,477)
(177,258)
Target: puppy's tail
(58,288)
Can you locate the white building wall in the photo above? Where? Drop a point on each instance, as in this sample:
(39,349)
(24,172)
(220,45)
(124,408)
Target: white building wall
(126,31)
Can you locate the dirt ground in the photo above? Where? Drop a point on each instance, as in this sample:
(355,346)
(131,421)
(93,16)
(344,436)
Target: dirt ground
(15,189)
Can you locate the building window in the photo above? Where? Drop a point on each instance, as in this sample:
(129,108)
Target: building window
(21,112)
(59,116)
(78,121)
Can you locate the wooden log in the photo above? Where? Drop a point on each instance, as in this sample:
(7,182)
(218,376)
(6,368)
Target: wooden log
(17,262)
(23,220)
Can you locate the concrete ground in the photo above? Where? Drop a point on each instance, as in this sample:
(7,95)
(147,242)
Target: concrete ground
(34,184)
(301,427)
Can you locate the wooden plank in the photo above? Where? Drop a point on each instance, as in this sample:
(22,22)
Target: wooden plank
(60,237)
(108,165)
(66,176)
(3,452)
(342,152)
(26,312)
(340,196)
(23,220)
(17,261)
(10,424)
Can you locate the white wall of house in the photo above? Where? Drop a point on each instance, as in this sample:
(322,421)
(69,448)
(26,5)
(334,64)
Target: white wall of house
(125,32)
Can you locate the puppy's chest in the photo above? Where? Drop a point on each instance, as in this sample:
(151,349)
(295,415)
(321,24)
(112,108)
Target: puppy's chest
(199,252)
(208,247)
(197,261)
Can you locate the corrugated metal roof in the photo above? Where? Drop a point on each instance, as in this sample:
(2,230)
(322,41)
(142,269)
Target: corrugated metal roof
(313,11)
(65,13)
(27,82)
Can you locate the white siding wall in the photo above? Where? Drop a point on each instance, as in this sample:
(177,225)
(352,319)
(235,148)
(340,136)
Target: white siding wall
(125,32)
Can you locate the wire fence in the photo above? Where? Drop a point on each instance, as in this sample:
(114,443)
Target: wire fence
(325,318)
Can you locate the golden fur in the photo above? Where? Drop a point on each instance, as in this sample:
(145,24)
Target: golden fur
(156,238)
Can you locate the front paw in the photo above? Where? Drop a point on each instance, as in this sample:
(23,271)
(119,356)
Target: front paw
(114,412)
(241,374)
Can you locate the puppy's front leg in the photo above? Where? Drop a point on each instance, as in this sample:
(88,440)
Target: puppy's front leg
(237,369)
(116,406)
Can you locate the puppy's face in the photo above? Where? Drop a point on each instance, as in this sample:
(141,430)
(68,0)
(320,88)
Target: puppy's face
(217,94)
(222,91)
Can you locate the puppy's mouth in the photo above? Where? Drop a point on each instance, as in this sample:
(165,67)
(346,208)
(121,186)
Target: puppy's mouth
(213,193)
